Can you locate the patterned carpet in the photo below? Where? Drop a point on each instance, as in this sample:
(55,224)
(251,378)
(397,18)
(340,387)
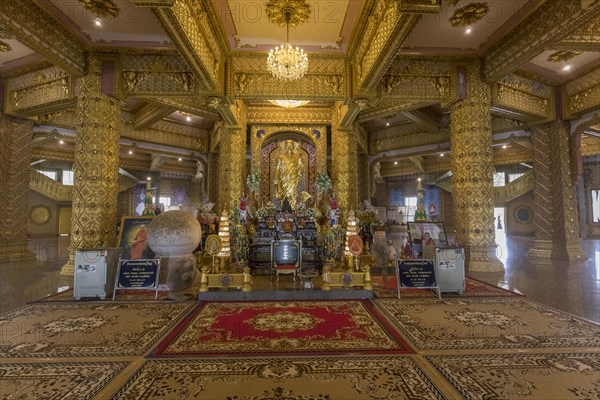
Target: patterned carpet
(279,328)
(467,347)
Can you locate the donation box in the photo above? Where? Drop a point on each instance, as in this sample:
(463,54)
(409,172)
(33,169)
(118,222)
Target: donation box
(95,271)
(450,269)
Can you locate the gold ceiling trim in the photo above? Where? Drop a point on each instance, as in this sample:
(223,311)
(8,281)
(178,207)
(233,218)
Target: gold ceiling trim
(469,14)
(4,47)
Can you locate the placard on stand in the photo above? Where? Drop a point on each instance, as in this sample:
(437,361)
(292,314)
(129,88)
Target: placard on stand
(138,275)
(417,274)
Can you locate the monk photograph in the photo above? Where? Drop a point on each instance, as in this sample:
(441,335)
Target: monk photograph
(133,238)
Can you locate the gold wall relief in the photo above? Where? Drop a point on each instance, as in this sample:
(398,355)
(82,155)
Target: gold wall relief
(419,80)
(155,75)
(327,79)
(261,115)
(41,91)
(522,95)
(96,167)
(473,168)
(582,95)
(15,159)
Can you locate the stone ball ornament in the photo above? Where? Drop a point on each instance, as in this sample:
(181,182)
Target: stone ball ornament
(174,233)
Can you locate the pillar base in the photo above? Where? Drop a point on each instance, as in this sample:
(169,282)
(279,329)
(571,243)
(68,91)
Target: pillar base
(546,252)
(16,252)
(482,259)
(69,268)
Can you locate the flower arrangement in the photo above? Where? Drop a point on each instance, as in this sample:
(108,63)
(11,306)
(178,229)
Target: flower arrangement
(253,181)
(323,181)
(206,214)
(267,210)
(367,214)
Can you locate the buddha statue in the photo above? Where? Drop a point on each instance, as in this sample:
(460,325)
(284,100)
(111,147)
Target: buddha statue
(288,171)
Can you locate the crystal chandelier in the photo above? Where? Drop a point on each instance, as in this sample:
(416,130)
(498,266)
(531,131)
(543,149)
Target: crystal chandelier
(286,62)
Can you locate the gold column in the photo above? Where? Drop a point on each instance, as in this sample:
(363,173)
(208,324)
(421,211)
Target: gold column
(96,167)
(555,204)
(344,164)
(15,158)
(213,178)
(232,161)
(472,168)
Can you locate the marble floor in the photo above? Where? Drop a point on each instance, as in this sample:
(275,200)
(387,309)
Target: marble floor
(574,288)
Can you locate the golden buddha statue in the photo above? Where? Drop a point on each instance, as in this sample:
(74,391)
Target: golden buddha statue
(288,172)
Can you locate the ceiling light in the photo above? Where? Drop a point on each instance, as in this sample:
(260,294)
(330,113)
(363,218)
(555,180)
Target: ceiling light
(566,67)
(285,62)
(503,146)
(395,162)
(130,151)
(468,30)
(98,21)
(179,158)
(149,178)
(289,103)
(441,154)
(61,141)
(387,124)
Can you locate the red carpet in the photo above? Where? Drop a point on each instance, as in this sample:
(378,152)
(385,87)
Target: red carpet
(283,328)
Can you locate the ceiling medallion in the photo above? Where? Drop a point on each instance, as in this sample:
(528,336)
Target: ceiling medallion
(289,103)
(563,55)
(102,8)
(4,47)
(285,62)
(469,14)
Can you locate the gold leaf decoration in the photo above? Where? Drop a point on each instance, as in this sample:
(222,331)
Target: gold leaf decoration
(102,8)
(288,12)
(563,55)
(469,14)
(4,47)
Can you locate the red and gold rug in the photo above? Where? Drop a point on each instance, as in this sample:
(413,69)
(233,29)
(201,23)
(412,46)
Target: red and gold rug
(294,327)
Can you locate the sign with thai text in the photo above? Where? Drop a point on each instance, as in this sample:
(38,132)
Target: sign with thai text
(416,273)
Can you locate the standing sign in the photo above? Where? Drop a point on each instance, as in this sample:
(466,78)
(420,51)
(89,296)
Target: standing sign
(416,274)
(138,274)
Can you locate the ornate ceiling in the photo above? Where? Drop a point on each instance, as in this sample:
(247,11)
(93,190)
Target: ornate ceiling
(391,63)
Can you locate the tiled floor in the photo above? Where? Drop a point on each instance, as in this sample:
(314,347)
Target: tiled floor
(574,288)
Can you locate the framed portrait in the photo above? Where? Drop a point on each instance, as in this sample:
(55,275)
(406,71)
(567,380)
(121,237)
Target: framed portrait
(426,233)
(133,238)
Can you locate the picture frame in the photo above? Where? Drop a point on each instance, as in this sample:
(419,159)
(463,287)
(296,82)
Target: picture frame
(133,239)
(426,233)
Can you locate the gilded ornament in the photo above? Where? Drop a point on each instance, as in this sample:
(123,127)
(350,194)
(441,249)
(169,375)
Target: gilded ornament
(288,12)
(4,47)
(563,55)
(469,14)
(102,8)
